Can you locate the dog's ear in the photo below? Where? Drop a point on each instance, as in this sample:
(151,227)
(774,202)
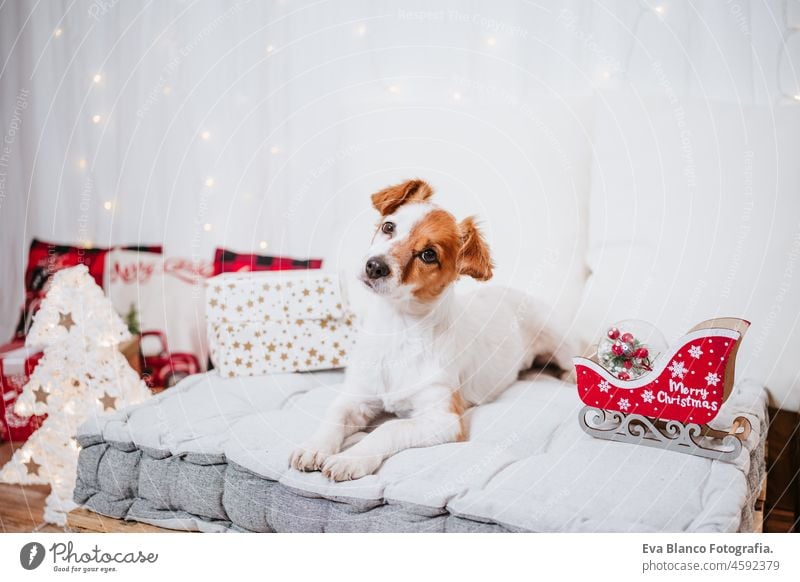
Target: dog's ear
(473,257)
(390,199)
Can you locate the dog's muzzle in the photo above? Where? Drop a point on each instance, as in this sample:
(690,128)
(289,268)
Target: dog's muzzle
(377,268)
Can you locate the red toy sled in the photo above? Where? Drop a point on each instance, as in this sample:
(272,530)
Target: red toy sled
(670,407)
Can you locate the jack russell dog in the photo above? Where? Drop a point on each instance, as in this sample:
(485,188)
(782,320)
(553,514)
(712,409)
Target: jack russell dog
(423,353)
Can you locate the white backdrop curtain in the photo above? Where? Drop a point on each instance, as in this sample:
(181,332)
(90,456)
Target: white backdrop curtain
(258,124)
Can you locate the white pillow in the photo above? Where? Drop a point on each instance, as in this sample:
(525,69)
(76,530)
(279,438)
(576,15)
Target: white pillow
(695,213)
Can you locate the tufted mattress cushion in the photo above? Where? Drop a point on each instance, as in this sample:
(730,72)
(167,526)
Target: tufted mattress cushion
(211,454)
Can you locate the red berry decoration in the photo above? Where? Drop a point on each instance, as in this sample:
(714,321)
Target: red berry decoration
(624,376)
(627,348)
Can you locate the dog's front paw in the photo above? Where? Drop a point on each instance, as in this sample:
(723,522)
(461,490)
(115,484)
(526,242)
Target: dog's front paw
(344,466)
(308,458)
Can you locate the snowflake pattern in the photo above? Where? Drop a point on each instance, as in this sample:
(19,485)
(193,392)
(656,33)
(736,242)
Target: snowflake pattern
(712,379)
(695,352)
(603,386)
(678,369)
(648,396)
(624,404)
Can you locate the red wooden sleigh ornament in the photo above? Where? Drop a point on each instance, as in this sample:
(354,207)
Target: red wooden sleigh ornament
(670,407)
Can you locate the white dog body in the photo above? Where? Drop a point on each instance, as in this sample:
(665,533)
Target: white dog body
(425,354)
(475,344)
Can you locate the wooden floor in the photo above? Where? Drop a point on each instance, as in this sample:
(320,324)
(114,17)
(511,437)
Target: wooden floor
(21,508)
(85,521)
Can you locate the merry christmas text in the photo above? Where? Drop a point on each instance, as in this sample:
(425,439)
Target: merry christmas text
(685,396)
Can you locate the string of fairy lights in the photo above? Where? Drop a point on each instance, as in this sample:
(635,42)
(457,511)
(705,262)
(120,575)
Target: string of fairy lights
(205,135)
(660,10)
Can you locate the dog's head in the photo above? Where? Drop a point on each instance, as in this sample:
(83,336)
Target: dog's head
(419,249)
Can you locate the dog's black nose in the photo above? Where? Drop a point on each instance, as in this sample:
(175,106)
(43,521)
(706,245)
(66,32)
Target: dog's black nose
(377,268)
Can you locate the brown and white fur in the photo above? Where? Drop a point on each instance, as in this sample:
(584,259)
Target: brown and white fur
(423,353)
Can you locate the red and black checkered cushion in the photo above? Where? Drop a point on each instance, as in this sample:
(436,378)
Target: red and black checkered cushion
(226,261)
(45,259)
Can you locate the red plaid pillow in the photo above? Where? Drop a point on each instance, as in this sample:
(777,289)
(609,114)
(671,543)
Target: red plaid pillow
(226,261)
(45,259)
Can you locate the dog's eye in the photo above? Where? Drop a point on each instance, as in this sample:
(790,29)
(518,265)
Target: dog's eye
(388,227)
(428,256)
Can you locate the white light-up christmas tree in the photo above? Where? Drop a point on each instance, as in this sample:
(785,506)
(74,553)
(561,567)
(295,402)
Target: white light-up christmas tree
(82,374)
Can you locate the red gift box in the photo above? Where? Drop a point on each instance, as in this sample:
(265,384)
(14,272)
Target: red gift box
(16,365)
